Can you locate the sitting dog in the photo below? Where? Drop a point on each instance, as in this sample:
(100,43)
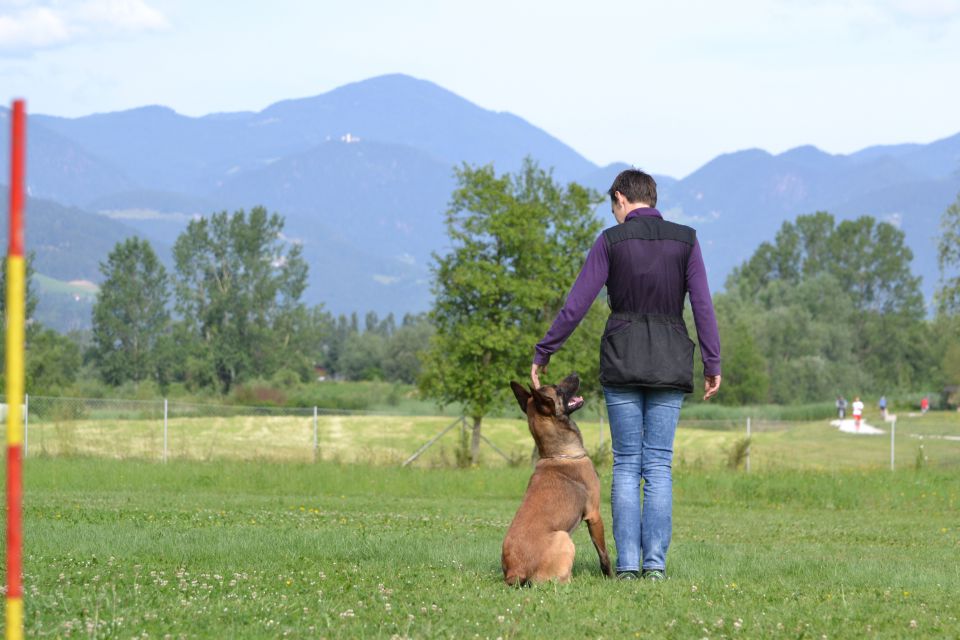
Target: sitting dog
(563,490)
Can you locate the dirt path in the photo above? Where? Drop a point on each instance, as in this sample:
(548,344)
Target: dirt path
(848,426)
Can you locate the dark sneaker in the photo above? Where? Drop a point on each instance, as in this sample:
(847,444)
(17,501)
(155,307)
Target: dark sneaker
(654,575)
(628,575)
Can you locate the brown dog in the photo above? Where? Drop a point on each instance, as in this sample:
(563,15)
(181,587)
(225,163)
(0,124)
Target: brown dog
(563,490)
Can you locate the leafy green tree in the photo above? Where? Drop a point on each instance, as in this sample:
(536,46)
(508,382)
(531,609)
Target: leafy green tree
(130,314)
(405,348)
(806,339)
(951,364)
(832,306)
(336,342)
(363,356)
(948,258)
(744,369)
(518,242)
(870,262)
(52,362)
(238,288)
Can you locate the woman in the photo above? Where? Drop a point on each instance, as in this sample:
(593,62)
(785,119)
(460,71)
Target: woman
(646,359)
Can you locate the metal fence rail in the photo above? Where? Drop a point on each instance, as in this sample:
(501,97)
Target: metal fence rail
(163,430)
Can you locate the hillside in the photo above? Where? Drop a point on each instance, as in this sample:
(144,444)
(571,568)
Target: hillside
(363,173)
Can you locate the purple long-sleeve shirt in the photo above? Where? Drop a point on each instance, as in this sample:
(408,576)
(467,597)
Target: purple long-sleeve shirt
(652,284)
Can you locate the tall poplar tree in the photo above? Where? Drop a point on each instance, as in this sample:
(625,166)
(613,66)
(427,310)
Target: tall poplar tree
(238,290)
(948,258)
(130,314)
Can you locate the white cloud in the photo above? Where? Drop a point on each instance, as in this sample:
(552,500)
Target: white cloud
(385,280)
(877,13)
(676,214)
(36,27)
(926,9)
(25,27)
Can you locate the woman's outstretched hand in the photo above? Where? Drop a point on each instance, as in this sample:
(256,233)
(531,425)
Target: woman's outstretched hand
(535,374)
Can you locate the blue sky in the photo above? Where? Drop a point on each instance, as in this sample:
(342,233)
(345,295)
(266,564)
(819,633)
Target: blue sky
(664,86)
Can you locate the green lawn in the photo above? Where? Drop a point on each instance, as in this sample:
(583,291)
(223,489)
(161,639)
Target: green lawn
(133,549)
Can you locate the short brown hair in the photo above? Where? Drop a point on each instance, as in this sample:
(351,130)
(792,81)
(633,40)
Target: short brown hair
(636,186)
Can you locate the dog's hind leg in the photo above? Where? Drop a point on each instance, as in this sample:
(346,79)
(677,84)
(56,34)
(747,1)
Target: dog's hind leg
(556,563)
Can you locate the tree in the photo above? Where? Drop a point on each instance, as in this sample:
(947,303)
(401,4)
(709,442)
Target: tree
(362,356)
(872,262)
(52,362)
(948,258)
(869,260)
(951,364)
(405,348)
(744,368)
(130,314)
(238,289)
(518,242)
(831,306)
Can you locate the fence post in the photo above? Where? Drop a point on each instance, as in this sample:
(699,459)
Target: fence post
(164,429)
(316,441)
(748,445)
(893,431)
(26,424)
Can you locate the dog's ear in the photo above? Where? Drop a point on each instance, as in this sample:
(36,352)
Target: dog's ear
(522,395)
(544,403)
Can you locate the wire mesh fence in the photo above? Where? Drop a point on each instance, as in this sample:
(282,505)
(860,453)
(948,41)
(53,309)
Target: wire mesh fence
(164,430)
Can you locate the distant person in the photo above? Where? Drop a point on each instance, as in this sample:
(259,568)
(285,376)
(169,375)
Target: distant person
(883,407)
(857,412)
(924,405)
(841,407)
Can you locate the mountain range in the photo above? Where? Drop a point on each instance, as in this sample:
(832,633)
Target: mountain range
(363,174)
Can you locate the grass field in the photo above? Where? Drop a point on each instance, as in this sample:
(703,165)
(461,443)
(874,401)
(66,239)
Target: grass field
(227,549)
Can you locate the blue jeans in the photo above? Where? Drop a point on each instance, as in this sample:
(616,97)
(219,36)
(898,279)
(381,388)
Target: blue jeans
(642,425)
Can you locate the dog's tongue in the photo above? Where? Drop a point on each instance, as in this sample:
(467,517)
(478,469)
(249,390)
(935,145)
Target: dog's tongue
(576,401)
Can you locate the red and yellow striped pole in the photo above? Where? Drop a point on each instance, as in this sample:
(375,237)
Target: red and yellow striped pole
(14,377)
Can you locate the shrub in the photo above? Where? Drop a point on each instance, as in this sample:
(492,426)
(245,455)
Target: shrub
(737,455)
